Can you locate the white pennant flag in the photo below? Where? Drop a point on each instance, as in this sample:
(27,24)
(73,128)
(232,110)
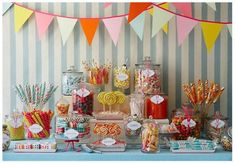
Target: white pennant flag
(212,5)
(66,26)
(160,18)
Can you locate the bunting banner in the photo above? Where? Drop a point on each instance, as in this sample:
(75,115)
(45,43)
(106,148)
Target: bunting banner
(138,25)
(113,25)
(160,18)
(66,26)
(230,28)
(43,21)
(107,4)
(210,33)
(21,15)
(89,26)
(212,5)
(136,9)
(184,8)
(6,6)
(184,27)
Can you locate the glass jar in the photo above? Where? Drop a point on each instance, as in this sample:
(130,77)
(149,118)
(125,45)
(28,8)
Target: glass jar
(15,126)
(83,98)
(147,77)
(150,137)
(62,107)
(122,77)
(226,139)
(137,105)
(216,125)
(188,123)
(133,126)
(6,140)
(70,80)
(156,106)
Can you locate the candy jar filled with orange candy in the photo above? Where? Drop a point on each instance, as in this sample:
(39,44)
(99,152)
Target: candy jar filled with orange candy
(97,74)
(156,106)
(147,77)
(150,136)
(83,99)
(62,107)
(187,122)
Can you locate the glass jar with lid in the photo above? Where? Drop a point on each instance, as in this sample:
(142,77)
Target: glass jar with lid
(147,77)
(122,77)
(70,80)
(137,105)
(133,126)
(150,136)
(62,107)
(216,125)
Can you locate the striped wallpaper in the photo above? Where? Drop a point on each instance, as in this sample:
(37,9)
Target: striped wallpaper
(26,59)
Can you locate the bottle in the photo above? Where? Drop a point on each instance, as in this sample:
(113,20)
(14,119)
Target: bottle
(6,140)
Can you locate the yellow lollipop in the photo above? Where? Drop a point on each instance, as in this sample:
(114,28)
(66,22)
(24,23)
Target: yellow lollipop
(100,97)
(110,99)
(120,97)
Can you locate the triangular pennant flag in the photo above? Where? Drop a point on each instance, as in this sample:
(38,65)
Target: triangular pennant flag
(21,15)
(212,5)
(184,27)
(160,18)
(43,21)
(184,8)
(89,26)
(210,33)
(6,6)
(230,28)
(138,25)
(165,6)
(107,4)
(136,9)
(150,11)
(113,26)
(66,26)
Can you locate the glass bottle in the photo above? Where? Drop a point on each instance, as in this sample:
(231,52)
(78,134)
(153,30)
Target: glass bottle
(137,105)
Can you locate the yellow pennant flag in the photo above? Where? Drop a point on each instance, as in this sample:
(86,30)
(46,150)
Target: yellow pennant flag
(165,6)
(21,15)
(210,33)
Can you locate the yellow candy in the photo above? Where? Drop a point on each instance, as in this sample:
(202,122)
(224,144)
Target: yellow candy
(120,97)
(100,97)
(110,98)
(121,77)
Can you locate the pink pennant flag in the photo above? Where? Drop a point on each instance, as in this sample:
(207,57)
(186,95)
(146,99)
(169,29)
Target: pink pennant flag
(113,26)
(43,21)
(184,8)
(184,27)
(107,4)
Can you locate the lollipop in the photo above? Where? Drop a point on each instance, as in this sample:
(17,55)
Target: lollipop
(101,100)
(120,98)
(110,99)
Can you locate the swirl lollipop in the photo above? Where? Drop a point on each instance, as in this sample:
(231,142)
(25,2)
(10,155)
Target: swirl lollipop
(101,100)
(110,99)
(120,98)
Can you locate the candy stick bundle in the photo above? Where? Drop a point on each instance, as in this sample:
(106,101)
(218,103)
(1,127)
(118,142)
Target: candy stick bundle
(202,94)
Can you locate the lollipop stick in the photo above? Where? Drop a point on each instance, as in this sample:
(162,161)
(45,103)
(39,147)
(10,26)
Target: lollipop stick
(110,108)
(103,108)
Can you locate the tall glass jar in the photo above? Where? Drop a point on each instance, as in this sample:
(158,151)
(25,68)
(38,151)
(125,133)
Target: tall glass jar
(216,125)
(147,77)
(15,126)
(150,137)
(122,77)
(83,98)
(70,80)
(133,127)
(62,107)
(137,105)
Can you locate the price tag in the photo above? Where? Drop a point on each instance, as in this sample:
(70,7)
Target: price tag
(189,123)
(83,92)
(148,73)
(108,141)
(217,123)
(15,123)
(35,128)
(157,99)
(71,133)
(122,77)
(133,125)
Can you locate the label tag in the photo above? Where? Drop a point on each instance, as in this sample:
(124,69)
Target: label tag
(83,92)
(15,123)
(189,123)
(35,128)
(148,73)
(71,133)
(122,77)
(157,99)
(217,123)
(108,141)
(133,125)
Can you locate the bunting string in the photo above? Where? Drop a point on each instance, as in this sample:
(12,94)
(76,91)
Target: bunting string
(123,15)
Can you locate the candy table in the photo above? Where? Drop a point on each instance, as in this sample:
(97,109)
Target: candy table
(130,154)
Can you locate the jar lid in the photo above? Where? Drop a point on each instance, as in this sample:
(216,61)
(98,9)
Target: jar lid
(147,62)
(72,69)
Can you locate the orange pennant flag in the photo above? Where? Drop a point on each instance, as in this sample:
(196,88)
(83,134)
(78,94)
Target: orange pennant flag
(136,9)
(89,26)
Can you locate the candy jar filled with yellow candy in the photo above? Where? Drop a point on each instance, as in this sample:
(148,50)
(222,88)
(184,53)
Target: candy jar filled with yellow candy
(150,137)
(15,125)
(122,77)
